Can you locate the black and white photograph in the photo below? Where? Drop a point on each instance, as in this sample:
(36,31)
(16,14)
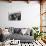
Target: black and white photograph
(15,16)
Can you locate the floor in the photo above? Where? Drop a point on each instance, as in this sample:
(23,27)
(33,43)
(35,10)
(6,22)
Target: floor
(35,43)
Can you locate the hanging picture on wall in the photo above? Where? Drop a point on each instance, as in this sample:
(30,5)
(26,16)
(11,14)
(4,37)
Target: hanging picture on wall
(15,16)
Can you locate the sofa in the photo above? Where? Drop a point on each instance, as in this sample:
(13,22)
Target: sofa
(21,34)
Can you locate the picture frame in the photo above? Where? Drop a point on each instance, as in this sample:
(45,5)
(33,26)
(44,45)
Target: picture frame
(15,16)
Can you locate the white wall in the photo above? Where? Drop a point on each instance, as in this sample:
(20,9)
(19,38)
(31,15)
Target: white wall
(30,14)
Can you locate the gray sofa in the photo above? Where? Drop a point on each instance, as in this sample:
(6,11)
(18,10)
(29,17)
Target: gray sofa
(17,35)
(22,38)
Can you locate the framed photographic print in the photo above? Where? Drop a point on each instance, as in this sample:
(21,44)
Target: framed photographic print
(14,16)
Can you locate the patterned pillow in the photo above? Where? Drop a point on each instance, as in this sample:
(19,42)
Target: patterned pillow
(23,31)
(17,30)
(11,30)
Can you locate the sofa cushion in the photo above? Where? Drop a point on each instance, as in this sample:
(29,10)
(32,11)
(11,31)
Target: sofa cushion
(17,30)
(20,37)
(11,30)
(23,31)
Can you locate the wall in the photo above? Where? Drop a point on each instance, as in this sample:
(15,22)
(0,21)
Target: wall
(30,14)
